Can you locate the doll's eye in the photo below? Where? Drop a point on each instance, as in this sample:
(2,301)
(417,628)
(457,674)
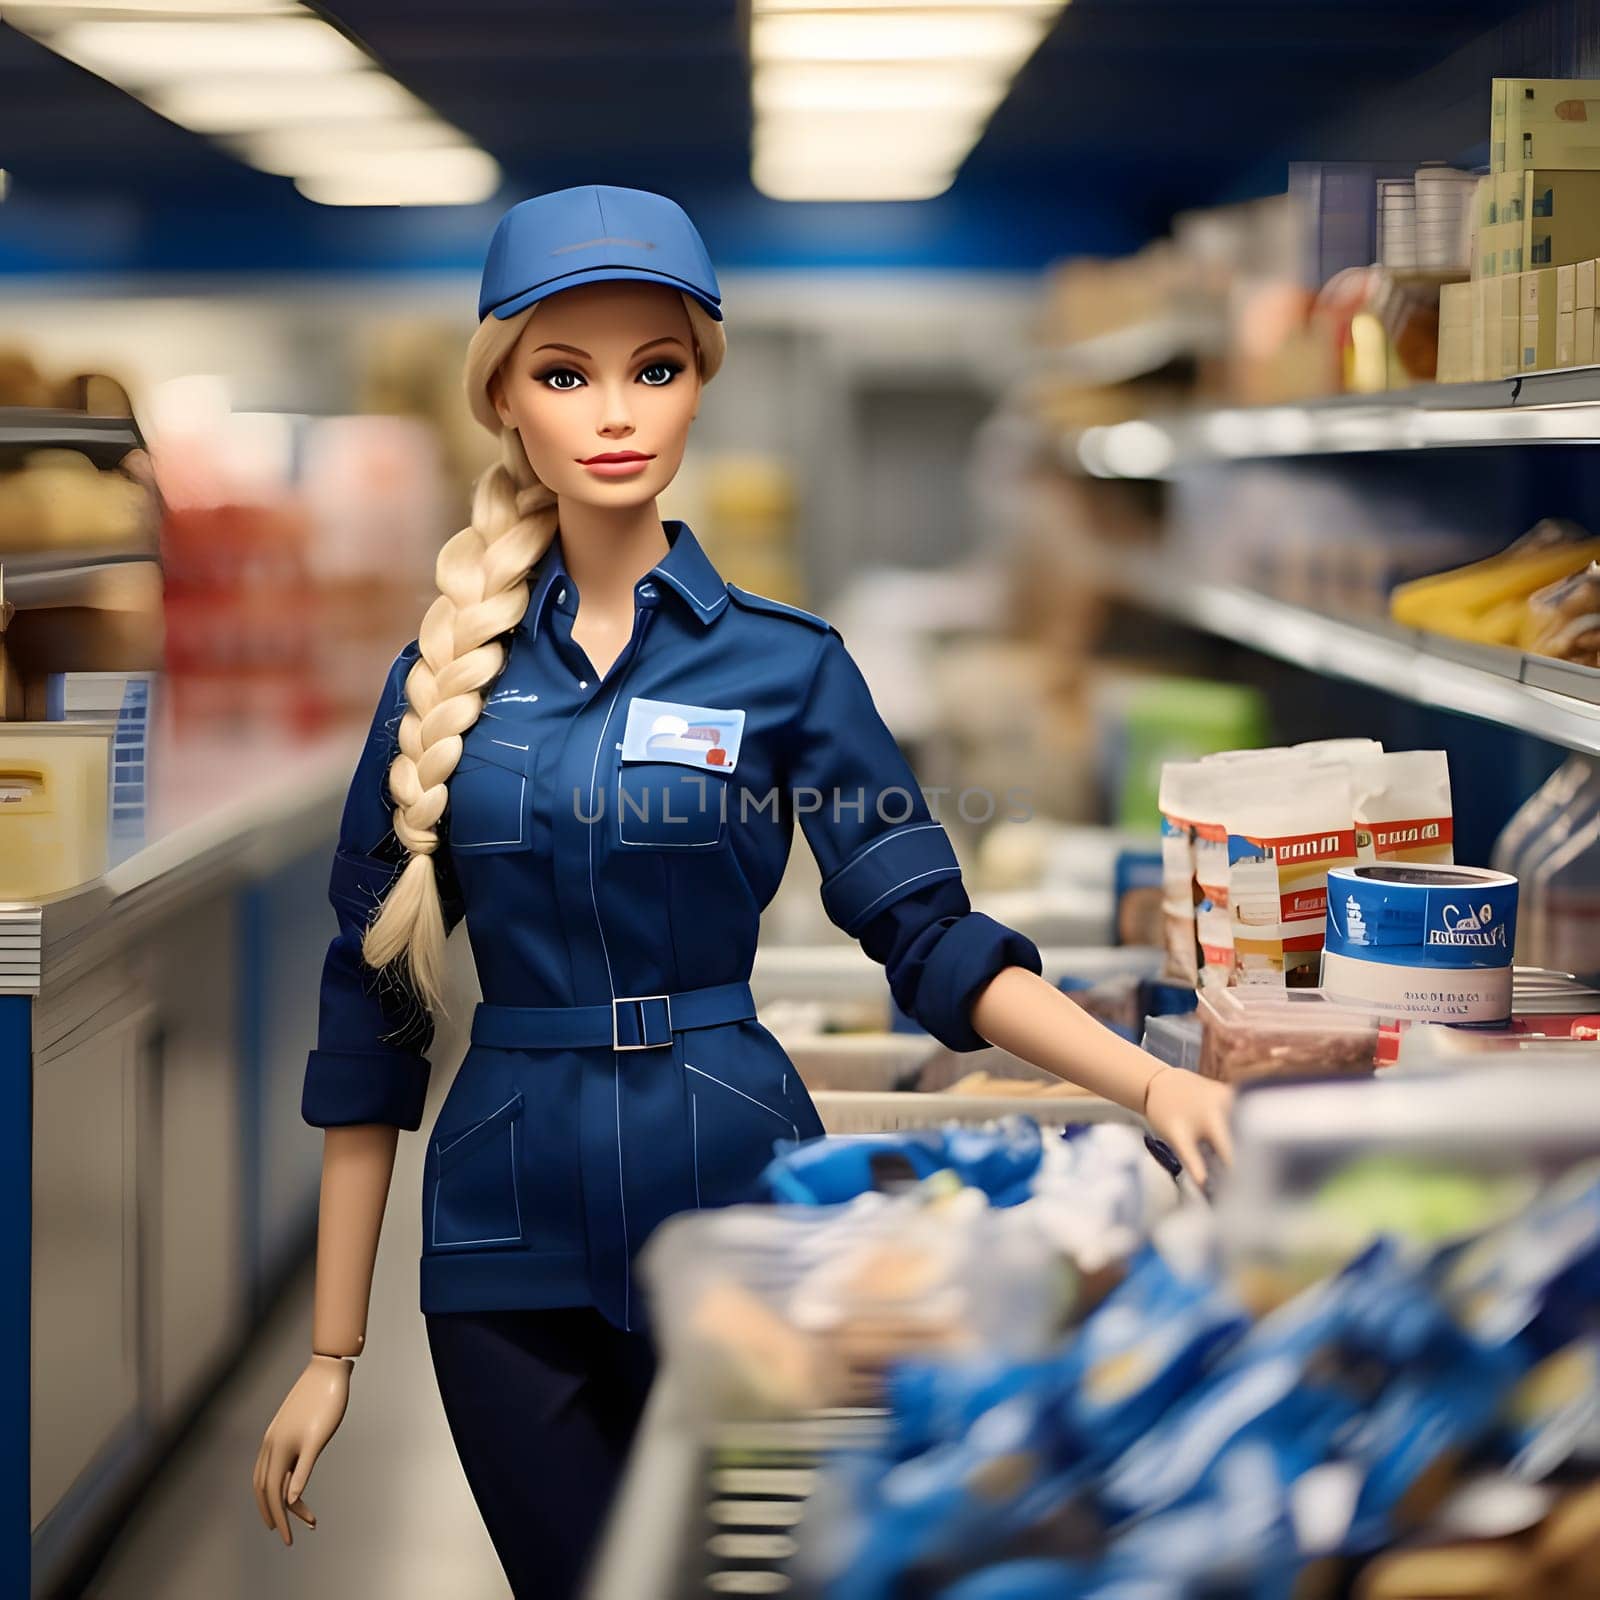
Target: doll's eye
(667,370)
(551,377)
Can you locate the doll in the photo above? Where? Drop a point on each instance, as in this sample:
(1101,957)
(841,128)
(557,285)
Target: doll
(594,754)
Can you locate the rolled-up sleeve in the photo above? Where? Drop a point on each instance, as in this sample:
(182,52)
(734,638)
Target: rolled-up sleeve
(890,877)
(369,1064)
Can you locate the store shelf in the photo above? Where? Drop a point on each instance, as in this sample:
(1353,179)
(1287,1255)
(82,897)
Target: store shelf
(1540,408)
(105,440)
(1136,350)
(33,582)
(1502,686)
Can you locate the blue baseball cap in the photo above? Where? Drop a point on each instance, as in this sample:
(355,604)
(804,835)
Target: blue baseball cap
(590,234)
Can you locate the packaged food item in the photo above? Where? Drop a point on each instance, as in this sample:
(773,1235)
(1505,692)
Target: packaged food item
(1422,941)
(1287,824)
(1487,601)
(1250,1033)
(1563,620)
(1402,806)
(1180,946)
(1213,919)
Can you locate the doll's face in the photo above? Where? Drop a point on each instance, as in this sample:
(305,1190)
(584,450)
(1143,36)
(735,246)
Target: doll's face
(603,369)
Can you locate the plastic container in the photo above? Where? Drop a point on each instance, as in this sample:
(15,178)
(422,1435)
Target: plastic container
(1567,817)
(1249,1034)
(1569,895)
(1536,812)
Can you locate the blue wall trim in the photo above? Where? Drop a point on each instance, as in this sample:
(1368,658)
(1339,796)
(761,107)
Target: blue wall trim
(16,1286)
(1006,229)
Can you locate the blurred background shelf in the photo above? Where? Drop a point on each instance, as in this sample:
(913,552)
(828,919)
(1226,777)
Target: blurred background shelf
(1538,408)
(105,440)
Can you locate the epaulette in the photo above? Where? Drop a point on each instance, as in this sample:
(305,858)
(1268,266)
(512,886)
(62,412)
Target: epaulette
(779,608)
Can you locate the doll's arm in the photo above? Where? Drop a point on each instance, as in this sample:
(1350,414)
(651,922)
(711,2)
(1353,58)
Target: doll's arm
(1020,1012)
(891,879)
(366,1079)
(357,1164)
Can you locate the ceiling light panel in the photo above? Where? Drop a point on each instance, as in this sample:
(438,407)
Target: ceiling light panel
(278,87)
(881,100)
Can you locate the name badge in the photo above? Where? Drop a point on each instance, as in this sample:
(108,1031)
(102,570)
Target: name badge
(694,736)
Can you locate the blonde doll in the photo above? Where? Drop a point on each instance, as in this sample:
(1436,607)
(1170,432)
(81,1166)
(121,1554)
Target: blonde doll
(595,753)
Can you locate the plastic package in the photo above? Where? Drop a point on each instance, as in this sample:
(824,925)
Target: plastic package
(1563,805)
(1254,1033)
(1488,601)
(1564,618)
(1567,888)
(772,1310)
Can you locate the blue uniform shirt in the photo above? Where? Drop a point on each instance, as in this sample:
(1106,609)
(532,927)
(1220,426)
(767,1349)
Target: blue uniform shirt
(620,837)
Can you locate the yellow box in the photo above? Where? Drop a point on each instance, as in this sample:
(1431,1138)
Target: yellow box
(1583,338)
(1511,314)
(1506,206)
(1566,338)
(1547,122)
(1486,329)
(1583,285)
(54,815)
(1500,250)
(1567,288)
(1456,333)
(1560,218)
(1538,343)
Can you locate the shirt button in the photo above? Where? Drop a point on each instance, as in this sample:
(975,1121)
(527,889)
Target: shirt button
(561,597)
(647,591)
(583,683)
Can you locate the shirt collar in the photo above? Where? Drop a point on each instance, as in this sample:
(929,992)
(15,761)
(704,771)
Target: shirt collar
(685,569)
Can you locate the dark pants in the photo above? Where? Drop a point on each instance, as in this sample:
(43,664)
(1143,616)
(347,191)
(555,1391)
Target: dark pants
(543,1406)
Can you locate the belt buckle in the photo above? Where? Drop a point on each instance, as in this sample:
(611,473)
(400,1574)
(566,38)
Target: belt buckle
(639,1000)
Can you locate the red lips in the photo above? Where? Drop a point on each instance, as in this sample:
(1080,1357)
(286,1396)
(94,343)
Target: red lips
(615,455)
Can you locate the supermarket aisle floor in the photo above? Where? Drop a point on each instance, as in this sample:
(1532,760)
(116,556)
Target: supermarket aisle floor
(394,1517)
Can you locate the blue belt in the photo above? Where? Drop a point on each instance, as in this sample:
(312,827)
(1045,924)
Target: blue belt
(630,1022)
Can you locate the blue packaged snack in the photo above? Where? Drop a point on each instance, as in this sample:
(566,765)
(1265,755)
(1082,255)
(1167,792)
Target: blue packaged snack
(1551,1420)
(1021,1580)
(1536,1277)
(931,1401)
(955,1506)
(1001,1162)
(1146,1344)
(1422,1423)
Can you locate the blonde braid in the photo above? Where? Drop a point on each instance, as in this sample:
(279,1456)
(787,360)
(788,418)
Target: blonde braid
(482,574)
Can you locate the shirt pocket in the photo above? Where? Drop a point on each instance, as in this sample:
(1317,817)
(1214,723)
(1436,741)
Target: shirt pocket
(492,791)
(664,805)
(476,1197)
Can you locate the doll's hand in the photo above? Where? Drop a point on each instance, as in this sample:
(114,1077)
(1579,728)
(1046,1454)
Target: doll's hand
(1183,1109)
(294,1439)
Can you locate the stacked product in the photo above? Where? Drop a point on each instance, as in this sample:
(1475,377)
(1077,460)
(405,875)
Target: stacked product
(1248,839)
(1531,303)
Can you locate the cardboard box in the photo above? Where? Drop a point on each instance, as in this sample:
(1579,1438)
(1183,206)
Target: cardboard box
(1538,300)
(1583,338)
(1566,288)
(1486,329)
(1500,250)
(1546,122)
(1511,314)
(1566,338)
(1560,218)
(1455,363)
(1583,285)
